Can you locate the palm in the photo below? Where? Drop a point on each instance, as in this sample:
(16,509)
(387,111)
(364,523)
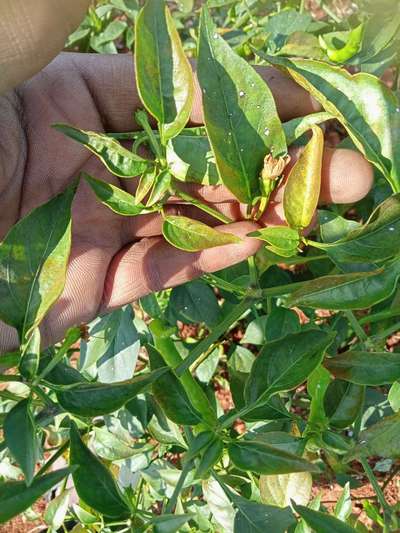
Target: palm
(113,259)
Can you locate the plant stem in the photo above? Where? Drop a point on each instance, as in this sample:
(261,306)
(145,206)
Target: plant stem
(253,272)
(10,378)
(72,337)
(374,482)
(381,315)
(217,332)
(178,487)
(202,358)
(53,458)
(358,330)
(220,283)
(128,136)
(142,120)
(204,207)
(387,332)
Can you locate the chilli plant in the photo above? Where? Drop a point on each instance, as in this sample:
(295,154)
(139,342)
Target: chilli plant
(119,422)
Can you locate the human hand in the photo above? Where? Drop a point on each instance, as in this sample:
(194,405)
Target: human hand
(115,260)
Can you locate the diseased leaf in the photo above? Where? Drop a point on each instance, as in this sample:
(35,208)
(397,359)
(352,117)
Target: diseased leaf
(239,113)
(262,458)
(350,46)
(29,362)
(285,363)
(300,198)
(379,239)
(190,158)
(170,394)
(296,127)
(365,368)
(322,522)
(368,110)
(118,200)
(343,402)
(93,481)
(33,263)
(282,239)
(21,440)
(15,497)
(192,236)
(281,489)
(145,184)
(118,160)
(348,291)
(160,188)
(394,396)
(163,73)
(382,438)
(94,399)
(343,506)
(57,510)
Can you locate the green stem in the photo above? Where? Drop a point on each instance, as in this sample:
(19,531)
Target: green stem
(219,330)
(358,330)
(10,379)
(202,358)
(72,337)
(372,479)
(204,207)
(386,332)
(128,136)
(53,458)
(253,272)
(220,283)
(178,487)
(381,315)
(142,120)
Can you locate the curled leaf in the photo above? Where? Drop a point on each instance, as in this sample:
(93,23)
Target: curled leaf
(304,183)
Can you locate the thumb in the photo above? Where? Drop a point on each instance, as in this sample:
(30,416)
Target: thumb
(32,33)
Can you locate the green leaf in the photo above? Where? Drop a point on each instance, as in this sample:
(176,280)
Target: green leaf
(170,394)
(209,457)
(169,523)
(29,363)
(253,517)
(93,481)
(94,399)
(220,506)
(285,363)
(382,438)
(368,110)
(379,239)
(282,238)
(57,510)
(365,368)
(239,113)
(145,184)
(322,522)
(192,236)
(160,188)
(333,227)
(33,263)
(281,489)
(348,291)
(15,497)
(116,199)
(163,73)
(198,444)
(296,127)
(343,402)
(394,396)
(257,456)
(21,440)
(280,322)
(190,158)
(193,302)
(118,160)
(303,184)
(343,507)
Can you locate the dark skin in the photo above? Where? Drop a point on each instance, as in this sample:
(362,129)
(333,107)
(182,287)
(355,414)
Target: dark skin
(115,260)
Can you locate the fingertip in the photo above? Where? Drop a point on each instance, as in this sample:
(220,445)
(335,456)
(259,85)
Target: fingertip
(347,176)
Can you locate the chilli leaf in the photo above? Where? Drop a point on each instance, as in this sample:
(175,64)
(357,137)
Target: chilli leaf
(94,399)
(383,439)
(257,456)
(170,394)
(118,160)
(163,73)
(342,403)
(239,113)
(322,522)
(15,497)
(348,291)
(285,363)
(192,236)
(33,263)
(303,184)
(379,239)
(368,110)
(118,200)
(365,368)
(93,481)
(21,439)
